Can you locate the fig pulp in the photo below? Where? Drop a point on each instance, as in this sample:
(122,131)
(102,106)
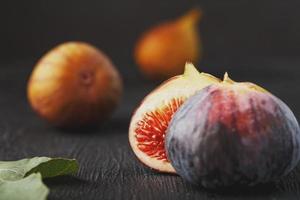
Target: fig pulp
(163,50)
(151,118)
(74,85)
(233,133)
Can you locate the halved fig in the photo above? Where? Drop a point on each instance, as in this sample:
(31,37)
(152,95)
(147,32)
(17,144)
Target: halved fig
(151,119)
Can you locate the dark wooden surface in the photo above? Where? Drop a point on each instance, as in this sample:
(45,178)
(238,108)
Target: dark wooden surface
(253,40)
(108,168)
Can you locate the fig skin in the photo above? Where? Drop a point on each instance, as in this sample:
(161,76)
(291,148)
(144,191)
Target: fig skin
(162,51)
(74,85)
(232,134)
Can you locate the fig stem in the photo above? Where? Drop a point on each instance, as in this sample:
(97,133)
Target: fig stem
(226,79)
(192,17)
(190,70)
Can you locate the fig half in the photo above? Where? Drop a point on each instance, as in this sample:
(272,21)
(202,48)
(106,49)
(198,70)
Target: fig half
(151,119)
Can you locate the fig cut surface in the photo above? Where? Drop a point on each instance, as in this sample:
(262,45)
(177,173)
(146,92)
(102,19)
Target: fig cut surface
(151,119)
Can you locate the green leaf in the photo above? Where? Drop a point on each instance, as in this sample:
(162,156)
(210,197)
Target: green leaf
(55,167)
(48,167)
(31,188)
(22,179)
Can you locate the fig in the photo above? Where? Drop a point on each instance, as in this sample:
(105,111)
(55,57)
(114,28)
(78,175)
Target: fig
(232,134)
(151,118)
(162,51)
(74,85)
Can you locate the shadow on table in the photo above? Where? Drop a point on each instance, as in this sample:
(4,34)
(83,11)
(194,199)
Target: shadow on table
(258,190)
(107,127)
(286,188)
(65,181)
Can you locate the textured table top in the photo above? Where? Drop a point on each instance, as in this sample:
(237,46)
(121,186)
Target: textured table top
(108,168)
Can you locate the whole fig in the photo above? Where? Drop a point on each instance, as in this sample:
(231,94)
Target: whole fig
(233,134)
(74,85)
(162,51)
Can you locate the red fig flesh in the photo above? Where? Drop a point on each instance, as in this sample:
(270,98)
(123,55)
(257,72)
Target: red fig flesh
(151,119)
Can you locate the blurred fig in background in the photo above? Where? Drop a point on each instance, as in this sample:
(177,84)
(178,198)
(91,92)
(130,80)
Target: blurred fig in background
(74,85)
(163,50)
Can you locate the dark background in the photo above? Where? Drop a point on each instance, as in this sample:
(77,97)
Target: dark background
(231,29)
(258,41)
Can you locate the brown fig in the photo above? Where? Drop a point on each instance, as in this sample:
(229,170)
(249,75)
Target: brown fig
(74,85)
(163,50)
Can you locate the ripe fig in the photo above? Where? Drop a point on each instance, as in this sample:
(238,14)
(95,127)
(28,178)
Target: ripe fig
(74,85)
(162,51)
(231,134)
(151,118)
